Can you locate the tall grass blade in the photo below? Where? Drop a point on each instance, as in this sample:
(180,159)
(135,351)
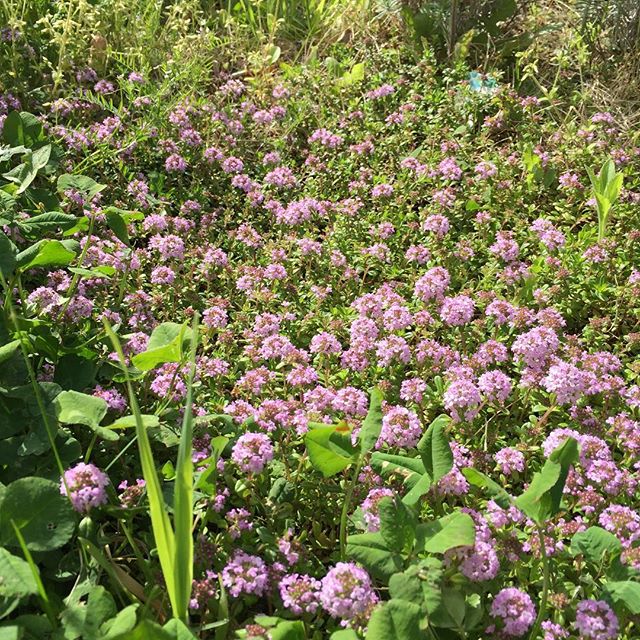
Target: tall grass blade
(183,496)
(160,523)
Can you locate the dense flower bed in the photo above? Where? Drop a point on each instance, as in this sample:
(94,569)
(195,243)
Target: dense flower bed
(408,233)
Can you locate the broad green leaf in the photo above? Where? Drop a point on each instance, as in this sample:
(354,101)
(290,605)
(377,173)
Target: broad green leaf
(44,516)
(7,350)
(178,630)
(330,450)
(288,630)
(102,271)
(344,634)
(40,157)
(147,630)
(397,619)
(46,253)
(73,407)
(417,581)
(435,450)
(8,253)
(16,579)
(22,128)
(166,344)
(45,222)
(396,524)
(478,479)
(419,489)
(117,224)
(353,76)
(124,622)
(370,550)
(542,498)
(13,130)
(626,593)
(22,175)
(455,530)
(83,619)
(372,424)
(85,185)
(410,469)
(595,544)
(129,422)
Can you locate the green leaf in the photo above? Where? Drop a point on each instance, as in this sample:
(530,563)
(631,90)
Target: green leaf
(84,619)
(478,479)
(73,407)
(183,497)
(419,489)
(8,253)
(117,224)
(13,130)
(353,76)
(40,157)
(44,516)
(102,271)
(16,579)
(344,634)
(330,449)
(146,630)
(542,498)
(397,619)
(178,630)
(123,622)
(45,222)
(595,544)
(410,469)
(455,530)
(166,344)
(417,581)
(85,185)
(74,372)
(163,532)
(129,422)
(288,630)
(626,593)
(435,451)
(46,253)
(22,128)
(396,524)
(8,350)
(370,550)
(372,424)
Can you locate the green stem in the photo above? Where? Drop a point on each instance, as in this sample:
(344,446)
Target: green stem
(345,510)
(46,603)
(90,448)
(546,578)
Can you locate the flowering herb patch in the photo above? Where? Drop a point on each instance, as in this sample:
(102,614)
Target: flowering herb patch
(297,358)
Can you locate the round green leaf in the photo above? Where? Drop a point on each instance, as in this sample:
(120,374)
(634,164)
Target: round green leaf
(44,516)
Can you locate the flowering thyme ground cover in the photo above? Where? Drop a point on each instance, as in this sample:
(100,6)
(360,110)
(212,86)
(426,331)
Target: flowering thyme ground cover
(413,327)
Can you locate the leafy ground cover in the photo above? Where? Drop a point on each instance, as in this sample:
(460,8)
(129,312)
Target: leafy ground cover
(317,354)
